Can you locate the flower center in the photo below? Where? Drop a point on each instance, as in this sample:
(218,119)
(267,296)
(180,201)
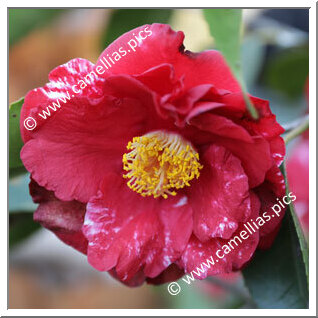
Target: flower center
(160,162)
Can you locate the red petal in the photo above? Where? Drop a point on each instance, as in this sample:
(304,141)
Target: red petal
(161,79)
(221,126)
(163,45)
(198,252)
(278,150)
(172,273)
(129,232)
(220,197)
(62,79)
(71,152)
(255,157)
(64,219)
(270,193)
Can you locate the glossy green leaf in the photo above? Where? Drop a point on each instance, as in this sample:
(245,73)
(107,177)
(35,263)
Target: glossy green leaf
(21,226)
(124,20)
(277,277)
(225,27)
(15,141)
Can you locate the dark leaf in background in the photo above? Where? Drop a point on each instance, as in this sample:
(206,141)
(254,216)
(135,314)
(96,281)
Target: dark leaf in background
(277,277)
(15,141)
(14,172)
(287,71)
(21,226)
(22,21)
(124,20)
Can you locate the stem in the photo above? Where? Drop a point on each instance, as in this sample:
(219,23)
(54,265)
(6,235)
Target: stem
(294,124)
(247,100)
(250,106)
(297,130)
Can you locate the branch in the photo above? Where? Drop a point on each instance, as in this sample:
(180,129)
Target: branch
(296,129)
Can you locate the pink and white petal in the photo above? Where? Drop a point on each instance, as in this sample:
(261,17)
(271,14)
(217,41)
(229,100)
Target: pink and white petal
(278,150)
(255,157)
(175,216)
(163,45)
(72,151)
(129,232)
(220,197)
(62,80)
(197,252)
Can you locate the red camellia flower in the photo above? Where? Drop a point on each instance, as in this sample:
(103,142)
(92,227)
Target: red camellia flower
(157,163)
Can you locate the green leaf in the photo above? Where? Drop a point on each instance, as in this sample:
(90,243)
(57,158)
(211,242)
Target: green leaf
(23,21)
(21,226)
(15,141)
(287,71)
(124,20)
(225,27)
(14,172)
(277,277)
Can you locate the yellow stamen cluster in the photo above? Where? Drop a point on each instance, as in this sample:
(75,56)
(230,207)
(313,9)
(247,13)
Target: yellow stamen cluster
(159,163)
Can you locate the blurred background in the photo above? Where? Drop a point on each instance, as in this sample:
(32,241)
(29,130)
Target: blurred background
(45,273)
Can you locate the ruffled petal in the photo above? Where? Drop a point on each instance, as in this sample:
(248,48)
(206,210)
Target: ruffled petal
(163,45)
(255,157)
(161,79)
(270,194)
(64,219)
(172,273)
(71,152)
(62,81)
(221,126)
(128,232)
(231,258)
(220,197)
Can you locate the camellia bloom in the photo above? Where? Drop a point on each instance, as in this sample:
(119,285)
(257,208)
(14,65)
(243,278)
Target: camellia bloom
(298,173)
(156,164)
(298,177)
